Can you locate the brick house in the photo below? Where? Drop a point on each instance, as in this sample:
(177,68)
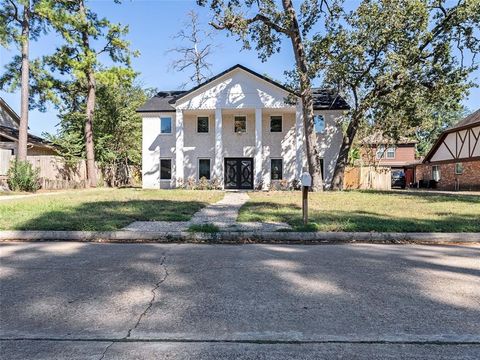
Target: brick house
(397,155)
(453,163)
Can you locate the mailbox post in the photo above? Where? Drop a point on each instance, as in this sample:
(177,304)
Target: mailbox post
(306,183)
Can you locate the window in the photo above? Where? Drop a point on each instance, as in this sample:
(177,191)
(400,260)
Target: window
(165,125)
(380,151)
(202,124)
(458,168)
(319,123)
(165,169)
(436,172)
(240,124)
(391,153)
(204,168)
(275,124)
(276,169)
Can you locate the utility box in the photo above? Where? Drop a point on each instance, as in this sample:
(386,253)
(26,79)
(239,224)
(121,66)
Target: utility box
(306,179)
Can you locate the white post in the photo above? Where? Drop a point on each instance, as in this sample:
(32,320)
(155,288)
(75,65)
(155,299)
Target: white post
(218,166)
(299,136)
(179,133)
(258,148)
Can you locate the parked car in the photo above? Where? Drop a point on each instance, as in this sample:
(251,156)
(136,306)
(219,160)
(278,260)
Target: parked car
(398,179)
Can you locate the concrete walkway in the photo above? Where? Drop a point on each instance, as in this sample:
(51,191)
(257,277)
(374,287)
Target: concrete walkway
(222,214)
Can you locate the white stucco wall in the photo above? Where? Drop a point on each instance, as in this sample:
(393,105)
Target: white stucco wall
(154,147)
(237,93)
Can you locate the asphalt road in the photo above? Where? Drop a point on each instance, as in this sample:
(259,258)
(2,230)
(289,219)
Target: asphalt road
(152,301)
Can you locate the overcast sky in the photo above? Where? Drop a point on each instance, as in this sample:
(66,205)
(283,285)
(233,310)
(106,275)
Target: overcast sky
(152,25)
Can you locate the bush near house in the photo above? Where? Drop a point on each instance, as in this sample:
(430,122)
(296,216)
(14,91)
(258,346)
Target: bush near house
(23,177)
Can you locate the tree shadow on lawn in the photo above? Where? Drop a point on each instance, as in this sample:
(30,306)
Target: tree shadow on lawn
(355,221)
(429,197)
(111,215)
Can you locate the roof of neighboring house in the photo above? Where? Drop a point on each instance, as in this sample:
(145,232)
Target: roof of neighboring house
(32,139)
(378,138)
(10,112)
(470,121)
(323,99)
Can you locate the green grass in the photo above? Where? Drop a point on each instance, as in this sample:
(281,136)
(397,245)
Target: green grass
(102,209)
(368,211)
(204,228)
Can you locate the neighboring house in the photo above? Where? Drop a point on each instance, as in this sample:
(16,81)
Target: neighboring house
(9,123)
(453,163)
(399,156)
(239,128)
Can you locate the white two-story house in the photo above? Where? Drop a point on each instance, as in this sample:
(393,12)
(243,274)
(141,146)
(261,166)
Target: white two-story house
(240,128)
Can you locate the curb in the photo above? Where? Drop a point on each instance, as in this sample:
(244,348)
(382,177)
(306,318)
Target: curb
(241,237)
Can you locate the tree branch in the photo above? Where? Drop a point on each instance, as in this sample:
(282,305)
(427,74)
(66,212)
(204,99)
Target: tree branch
(259,17)
(15,15)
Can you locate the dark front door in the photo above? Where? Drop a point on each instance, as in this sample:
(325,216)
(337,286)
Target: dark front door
(238,173)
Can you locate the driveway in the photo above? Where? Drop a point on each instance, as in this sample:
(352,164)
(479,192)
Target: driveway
(157,301)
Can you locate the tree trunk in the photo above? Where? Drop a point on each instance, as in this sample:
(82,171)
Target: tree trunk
(25,91)
(338,174)
(313,159)
(90,108)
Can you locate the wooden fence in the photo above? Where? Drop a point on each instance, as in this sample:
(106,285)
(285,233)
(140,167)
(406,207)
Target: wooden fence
(368,177)
(54,173)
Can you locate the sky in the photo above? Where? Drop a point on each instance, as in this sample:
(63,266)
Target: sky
(152,26)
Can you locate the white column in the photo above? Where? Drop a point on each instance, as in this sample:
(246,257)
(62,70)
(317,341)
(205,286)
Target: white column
(218,165)
(179,143)
(299,137)
(258,148)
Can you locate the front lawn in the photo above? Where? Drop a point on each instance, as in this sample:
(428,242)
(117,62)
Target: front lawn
(101,209)
(368,211)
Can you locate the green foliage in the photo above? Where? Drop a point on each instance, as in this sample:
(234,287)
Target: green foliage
(353,155)
(22,176)
(394,60)
(118,128)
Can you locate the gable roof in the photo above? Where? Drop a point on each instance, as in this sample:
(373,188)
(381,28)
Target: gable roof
(470,121)
(10,112)
(378,138)
(164,101)
(32,139)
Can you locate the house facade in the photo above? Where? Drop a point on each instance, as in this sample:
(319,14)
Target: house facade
(9,123)
(453,163)
(399,156)
(239,129)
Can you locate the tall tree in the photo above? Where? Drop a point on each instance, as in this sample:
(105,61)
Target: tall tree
(266,29)
(83,30)
(194,49)
(394,61)
(118,128)
(20,22)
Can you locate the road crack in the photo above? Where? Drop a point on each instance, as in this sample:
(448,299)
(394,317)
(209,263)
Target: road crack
(147,309)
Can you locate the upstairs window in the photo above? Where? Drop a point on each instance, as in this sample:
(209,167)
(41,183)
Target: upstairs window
(165,125)
(202,124)
(276,169)
(319,124)
(380,151)
(275,124)
(458,168)
(391,152)
(240,124)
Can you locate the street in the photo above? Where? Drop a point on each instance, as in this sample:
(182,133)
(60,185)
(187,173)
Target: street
(185,301)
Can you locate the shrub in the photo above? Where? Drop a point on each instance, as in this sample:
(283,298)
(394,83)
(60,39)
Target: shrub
(23,177)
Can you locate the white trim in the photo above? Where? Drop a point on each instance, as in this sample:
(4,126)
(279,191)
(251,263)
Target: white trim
(258,155)
(299,136)
(218,162)
(179,148)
